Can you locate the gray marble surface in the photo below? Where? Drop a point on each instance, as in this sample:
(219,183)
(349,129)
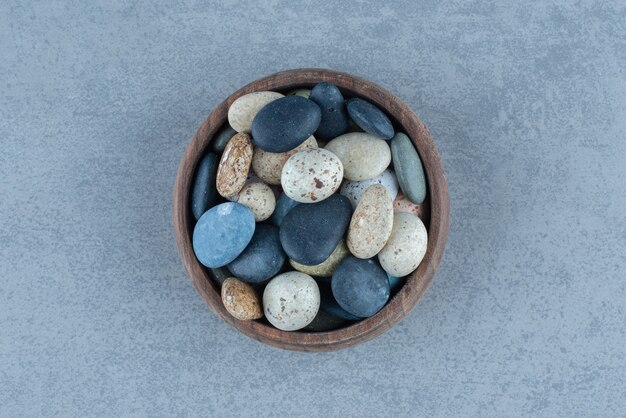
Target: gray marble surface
(527,104)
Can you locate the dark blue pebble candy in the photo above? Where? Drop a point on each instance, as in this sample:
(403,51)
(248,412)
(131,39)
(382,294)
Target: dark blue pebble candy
(335,120)
(263,257)
(361,287)
(329,304)
(221,138)
(283,205)
(204,193)
(370,118)
(285,123)
(310,232)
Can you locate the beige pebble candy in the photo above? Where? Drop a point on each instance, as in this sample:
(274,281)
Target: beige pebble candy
(234,165)
(300,92)
(259,198)
(240,300)
(371,223)
(406,246)
(291,300)
(311,175)
(326,267)
(269,165)
(243,110)
(363,156)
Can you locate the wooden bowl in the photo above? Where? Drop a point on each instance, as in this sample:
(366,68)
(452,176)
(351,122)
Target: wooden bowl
(402,302)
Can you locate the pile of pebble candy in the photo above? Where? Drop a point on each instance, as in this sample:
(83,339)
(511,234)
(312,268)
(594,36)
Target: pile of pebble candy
(270,223)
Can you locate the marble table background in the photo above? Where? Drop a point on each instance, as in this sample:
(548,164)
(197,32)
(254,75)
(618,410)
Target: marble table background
(527,104)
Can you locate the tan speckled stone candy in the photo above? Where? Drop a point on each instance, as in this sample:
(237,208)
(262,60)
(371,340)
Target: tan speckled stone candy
(311,175)
(363,156)
(269,165)
(242,111)
(406,246)
(328,266)
(371,223)
(240,300)
(291,300)
(259,198)
(234,165)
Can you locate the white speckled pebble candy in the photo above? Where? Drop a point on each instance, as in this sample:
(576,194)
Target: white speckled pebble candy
(312,175)
(243,110)
(259,198)
(406,246)
(363,156)
(371,222)
(354,189)
(291,300)
(269,165)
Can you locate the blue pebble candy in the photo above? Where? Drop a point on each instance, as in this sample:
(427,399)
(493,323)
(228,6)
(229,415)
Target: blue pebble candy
(262,258)
(222,233)
(370,118)
(361,287)
(283,205)
(204,192)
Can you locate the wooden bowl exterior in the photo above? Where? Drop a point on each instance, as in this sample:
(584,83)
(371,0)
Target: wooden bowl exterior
(416,285)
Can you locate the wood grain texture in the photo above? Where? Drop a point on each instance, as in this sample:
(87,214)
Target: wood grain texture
(416,285)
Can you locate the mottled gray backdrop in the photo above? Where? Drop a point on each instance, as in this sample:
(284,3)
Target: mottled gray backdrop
(527,104)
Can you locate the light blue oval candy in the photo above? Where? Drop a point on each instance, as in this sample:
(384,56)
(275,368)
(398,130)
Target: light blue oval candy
(222,233)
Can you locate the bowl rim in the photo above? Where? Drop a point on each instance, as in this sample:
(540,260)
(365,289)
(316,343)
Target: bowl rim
(400,305)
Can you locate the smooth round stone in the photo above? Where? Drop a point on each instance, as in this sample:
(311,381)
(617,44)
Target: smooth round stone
(361,287)
(259,198)
(300,92)
(285,123)
(326,267)
(222,233)
(234,165)
(408,166)
(402,204)
(269,165)
(311,175)
(363,156)
(240,300)
(220,274)
(371,222)
(406,246)
(291,301)
(370,118)
(329,304)
(242,111)
(283,205)
(204,193)
(335,120)
(263,257)
(324,321)
(395,282)
(221,138)
(353,190)
(310,233)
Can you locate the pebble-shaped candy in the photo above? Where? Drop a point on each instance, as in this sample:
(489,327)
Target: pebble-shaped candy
(259,198)
(326,267)
(242,111)
(371,222)
(283,205)
(263,257)
(363,156)
(361,287)
(311,175)
(222,233)
(335,119)
(234,165)
(370,118)
(218,143)
(406,246)
(240,300)
(269,165)
(291,301)
(204,193)
(408,167)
